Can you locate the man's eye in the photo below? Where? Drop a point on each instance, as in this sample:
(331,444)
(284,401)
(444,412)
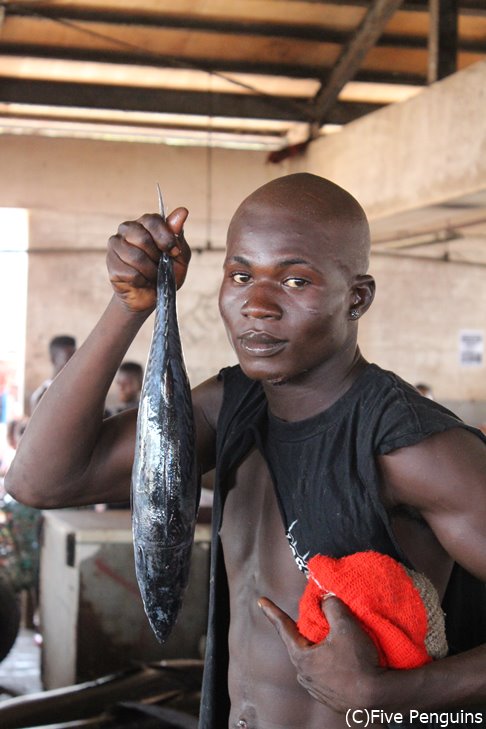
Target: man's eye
(240,278)
(296,283)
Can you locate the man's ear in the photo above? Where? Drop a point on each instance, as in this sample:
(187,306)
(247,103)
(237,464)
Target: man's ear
(362,295)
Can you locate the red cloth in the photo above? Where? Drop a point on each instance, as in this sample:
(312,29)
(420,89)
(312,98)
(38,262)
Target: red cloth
(381,595)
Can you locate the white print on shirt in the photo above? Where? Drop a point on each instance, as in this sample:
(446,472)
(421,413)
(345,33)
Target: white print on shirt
(300,560)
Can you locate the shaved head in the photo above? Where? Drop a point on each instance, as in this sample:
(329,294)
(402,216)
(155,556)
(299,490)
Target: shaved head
(333,217)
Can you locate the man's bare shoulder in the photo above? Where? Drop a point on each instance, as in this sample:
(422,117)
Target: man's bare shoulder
(439,463)
(444,478)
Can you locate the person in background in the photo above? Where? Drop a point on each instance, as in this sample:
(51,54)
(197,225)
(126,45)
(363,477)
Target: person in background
(425,390)
(15,430)
(61,349)
(20,538)
(128,382)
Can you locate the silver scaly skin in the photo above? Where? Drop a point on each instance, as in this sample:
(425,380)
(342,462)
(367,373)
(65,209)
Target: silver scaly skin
(164,479)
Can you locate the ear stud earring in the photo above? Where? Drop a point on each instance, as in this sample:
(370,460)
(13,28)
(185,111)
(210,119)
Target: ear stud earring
(354,314)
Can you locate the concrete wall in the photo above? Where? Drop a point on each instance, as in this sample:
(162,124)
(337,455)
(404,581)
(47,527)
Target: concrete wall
(78,191)
(422,151)
(413,327)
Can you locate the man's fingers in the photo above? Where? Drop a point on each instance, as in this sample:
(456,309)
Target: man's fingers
(176,220)
(334,608)
(338,615)
(342,622)
(283,624)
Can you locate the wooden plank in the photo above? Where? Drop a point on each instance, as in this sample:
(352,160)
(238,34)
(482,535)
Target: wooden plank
(184,22)
(443,39)
(99,96)
(352,56)
(407,29)
(400,35)
(380,74)
(338,15)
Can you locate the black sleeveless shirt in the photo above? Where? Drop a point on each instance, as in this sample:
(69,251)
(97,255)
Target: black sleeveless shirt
(327,486)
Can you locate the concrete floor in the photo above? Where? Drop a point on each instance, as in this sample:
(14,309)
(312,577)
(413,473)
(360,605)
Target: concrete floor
(20,670)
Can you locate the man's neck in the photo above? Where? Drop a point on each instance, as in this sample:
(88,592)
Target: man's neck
(313,392)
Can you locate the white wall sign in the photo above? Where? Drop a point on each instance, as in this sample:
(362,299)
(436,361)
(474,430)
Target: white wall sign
(471,347)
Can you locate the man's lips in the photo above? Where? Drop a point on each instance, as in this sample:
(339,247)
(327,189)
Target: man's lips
(261,344)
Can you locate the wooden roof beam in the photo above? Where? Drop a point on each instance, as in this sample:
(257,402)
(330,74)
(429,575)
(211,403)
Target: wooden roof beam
(293,32)
(368,32)
(99,96)
(443,39)
(207,65)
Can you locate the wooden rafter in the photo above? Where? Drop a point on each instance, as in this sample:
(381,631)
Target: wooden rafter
(443,39)
(368,32)
(168,101)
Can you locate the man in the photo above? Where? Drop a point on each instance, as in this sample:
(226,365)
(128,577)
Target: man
(425,390)
(61,349)
(312,446)
(128,382)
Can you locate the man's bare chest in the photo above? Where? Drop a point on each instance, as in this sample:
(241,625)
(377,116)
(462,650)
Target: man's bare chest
(256,549)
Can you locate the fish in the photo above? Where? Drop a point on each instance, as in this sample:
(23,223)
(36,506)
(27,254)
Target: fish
(164,485)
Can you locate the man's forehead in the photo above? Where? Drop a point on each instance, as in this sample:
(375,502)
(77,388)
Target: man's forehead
(288,235)
(269,257)
(285,248)
(284,254)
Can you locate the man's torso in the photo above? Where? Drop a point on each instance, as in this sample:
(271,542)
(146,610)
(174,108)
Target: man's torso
(262,681)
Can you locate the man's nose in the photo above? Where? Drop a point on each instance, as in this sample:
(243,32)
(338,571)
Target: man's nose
(261,304)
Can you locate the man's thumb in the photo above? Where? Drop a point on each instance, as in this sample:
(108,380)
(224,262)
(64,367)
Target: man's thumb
(176,220)
(335,610)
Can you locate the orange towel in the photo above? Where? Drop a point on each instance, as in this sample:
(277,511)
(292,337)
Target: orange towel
(398,608)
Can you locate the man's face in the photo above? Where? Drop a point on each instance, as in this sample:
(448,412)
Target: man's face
(61,356)
(284,299)
(128,387)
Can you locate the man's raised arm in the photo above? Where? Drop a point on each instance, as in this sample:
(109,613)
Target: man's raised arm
(69,455)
